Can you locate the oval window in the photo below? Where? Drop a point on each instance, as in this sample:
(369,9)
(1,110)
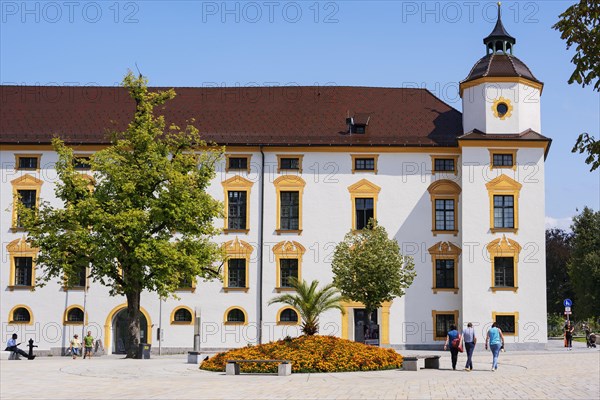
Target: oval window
(502,109)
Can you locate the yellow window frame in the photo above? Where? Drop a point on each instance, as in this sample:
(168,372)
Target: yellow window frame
(15,308)
(19,156)
(172,317)
(504,186)
(363,189)
(225,322)
(25,182)
(298,156)
(236,184)
(512,152)
(289,183)
(434,314)
(248,158)
(375,158)
(504,248)
(287,250)
(511,314)
(444,157)
(444,189)
(236,249)
(21,248)
(444,251)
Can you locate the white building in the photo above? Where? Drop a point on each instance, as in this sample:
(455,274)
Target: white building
(462,193)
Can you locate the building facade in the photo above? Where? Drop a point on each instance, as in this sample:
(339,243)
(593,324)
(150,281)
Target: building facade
(463,194)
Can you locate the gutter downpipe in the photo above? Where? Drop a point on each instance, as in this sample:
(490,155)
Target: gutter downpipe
(260,246)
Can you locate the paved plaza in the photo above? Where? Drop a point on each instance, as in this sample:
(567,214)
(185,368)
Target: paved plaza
(548,374)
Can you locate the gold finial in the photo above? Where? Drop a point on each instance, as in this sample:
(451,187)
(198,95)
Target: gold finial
(499,4)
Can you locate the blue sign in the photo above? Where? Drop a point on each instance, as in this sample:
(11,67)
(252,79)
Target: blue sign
(567,303)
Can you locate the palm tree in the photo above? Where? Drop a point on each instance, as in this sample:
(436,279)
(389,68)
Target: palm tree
(311,302)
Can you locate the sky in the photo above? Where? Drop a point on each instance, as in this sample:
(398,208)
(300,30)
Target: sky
(428,44)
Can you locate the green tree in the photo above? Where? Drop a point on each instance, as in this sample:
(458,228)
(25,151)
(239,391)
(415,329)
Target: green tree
(558,283)
(579,25)
(144,221)
(584,265)
(311,302)
(369,268)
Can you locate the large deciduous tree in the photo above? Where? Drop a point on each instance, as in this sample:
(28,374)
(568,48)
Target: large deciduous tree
(143,220)
(369,268)
(579,25)
(584,265)
(558,283)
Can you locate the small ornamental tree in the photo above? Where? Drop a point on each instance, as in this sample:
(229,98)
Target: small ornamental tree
(311,301)
(142,221)
(369,268)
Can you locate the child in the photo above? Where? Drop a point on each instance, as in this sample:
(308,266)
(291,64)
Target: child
(75,345)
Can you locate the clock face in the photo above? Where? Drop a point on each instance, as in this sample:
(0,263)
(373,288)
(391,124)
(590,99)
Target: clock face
(502,108)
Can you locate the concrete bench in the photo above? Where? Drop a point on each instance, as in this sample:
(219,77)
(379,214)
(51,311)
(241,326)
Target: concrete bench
(9,355)
(283,369)
(411,363)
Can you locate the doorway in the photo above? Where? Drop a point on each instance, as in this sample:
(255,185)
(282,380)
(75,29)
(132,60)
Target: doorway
(120,342)
(363,332)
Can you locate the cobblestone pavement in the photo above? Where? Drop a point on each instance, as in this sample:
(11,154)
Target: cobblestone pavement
(548,374)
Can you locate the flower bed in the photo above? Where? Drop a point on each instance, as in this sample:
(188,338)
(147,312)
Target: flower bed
(310,354)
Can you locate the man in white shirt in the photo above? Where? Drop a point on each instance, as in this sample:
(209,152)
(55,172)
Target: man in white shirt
(12,344)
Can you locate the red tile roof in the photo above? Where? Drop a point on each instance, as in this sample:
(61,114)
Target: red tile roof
(279,116)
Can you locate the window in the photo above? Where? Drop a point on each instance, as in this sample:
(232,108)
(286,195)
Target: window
(28,162)
(444,164)
(288,272)
(504,254)
(287,316)
(444,215)
(504,212)
(504,272)
(288,262)
(235,277)
(74,316)
(441,323)
(507,322)
(363,195)
(22,265)
(25,190)
(181,316)
(236,273)
(364,212)
(237,162)
(20,314)
(187,283)
(444,257)
(502,108)
(235,316)
(444,197)
(444,274)
(364,163)
(290,210)
(23,271)
(82,163)
(237,204)
(504,204)
(503,158)
(289,190)
(78,281)
(289,162)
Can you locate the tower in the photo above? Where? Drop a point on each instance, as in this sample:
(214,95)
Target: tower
(500,95)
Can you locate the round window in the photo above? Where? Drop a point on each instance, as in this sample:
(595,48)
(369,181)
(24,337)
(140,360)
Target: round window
(502,109)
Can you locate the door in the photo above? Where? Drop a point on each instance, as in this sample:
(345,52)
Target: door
(362,331)
(120,342)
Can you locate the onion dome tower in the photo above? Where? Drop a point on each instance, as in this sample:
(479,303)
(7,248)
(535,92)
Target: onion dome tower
(501,95)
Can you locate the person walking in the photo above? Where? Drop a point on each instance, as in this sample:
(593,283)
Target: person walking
(453,338)
(88,342)
(75,346)
(496,340)
(11,345)
(470,341)
(569,329)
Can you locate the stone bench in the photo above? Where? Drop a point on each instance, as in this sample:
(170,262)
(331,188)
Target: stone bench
(283,369)
(9,355)
(411,363)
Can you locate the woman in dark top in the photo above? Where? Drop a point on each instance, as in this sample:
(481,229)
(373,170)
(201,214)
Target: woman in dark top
(452,334)
(569,335)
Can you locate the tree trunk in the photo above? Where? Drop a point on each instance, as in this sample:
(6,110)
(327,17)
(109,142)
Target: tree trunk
(133,324)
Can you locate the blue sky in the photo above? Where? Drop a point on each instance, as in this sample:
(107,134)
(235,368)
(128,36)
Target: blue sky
(430,44)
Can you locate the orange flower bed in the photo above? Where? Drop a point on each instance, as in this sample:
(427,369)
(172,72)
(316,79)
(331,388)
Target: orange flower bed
(310,354)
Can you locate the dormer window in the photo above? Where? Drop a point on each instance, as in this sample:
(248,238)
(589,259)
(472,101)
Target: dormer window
(358,123)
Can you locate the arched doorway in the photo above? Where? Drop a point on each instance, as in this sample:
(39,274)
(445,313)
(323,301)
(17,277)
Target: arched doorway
(119,328)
